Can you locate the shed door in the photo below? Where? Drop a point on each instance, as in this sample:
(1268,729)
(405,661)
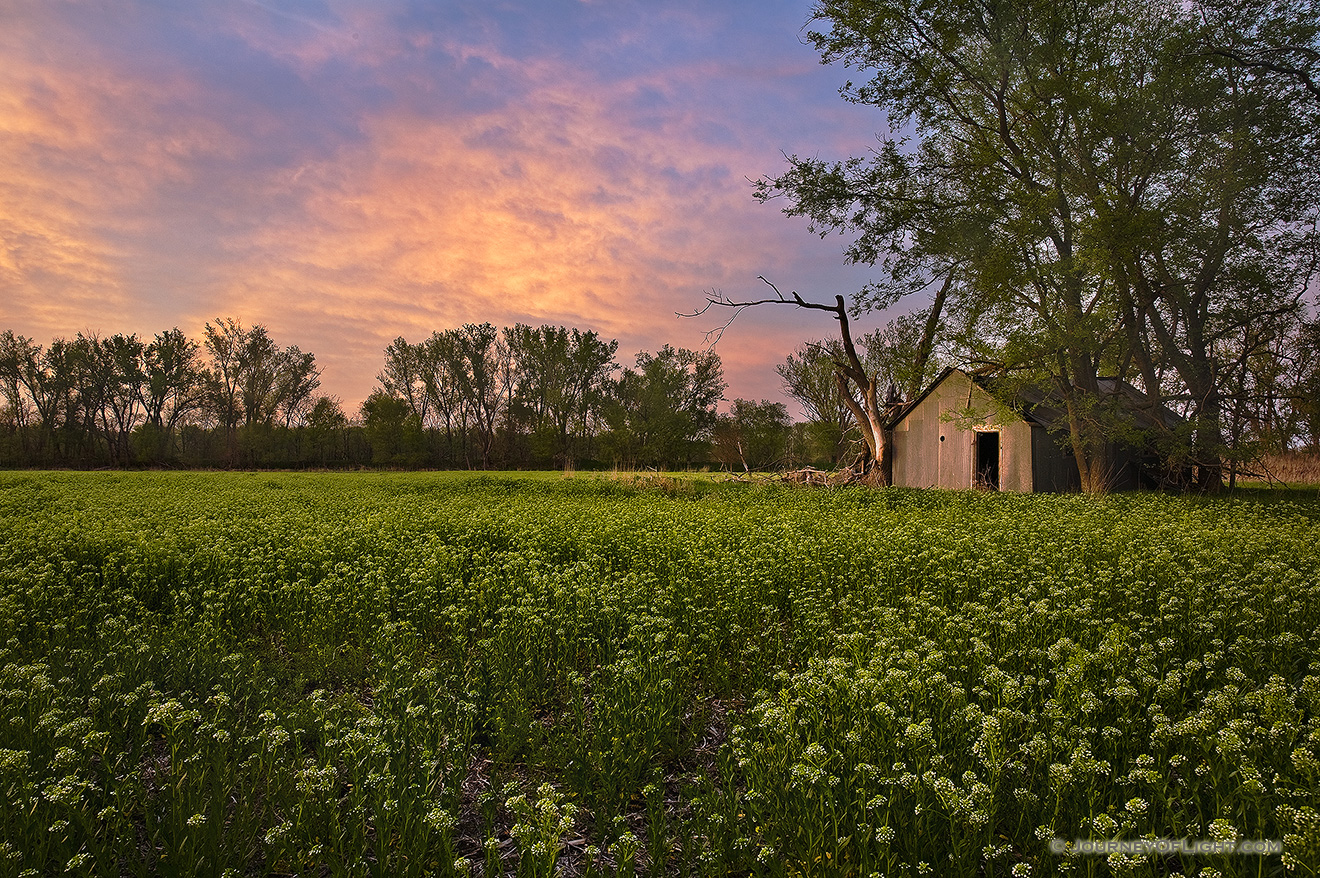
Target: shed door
(986,474)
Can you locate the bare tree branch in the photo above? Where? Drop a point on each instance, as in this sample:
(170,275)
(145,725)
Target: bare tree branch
(853,368)
(866,410)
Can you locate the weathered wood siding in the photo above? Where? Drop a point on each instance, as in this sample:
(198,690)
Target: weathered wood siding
(1054,467)
(933,449)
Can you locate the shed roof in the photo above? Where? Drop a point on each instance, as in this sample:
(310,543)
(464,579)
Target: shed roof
(1041,406)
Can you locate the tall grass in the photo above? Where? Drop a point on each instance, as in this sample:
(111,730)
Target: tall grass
(1293,468)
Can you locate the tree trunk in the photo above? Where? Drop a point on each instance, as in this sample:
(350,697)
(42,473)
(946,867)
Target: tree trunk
(1208,442)
(868,412)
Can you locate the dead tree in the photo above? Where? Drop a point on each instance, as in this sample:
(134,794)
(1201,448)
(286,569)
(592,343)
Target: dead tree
(870,410)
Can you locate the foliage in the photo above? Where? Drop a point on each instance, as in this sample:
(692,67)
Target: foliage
(753,435)
(252,380)
(395,432)
(807,375)
(894,353)
(1103,188)
(663,412)
(560,384)
(472,396)
(431,674)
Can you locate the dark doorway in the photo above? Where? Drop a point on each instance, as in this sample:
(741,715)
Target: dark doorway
(987,460)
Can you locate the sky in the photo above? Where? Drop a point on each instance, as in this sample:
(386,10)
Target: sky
(345,172)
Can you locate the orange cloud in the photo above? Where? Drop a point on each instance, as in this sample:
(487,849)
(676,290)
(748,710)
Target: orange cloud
(81,148)
(544,210)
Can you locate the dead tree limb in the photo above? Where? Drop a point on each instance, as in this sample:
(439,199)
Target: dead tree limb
(866,405)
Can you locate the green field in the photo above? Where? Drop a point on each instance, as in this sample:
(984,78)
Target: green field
(416,674)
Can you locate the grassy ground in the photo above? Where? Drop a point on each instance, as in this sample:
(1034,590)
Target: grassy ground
(666,674)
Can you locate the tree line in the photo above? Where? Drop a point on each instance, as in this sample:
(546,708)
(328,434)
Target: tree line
(473,397)
(120,400)
(478,397)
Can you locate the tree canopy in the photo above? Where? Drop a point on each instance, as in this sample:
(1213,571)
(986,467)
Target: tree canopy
(1118,188)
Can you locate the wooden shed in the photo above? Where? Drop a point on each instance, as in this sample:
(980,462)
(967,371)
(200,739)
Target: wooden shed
(957,435)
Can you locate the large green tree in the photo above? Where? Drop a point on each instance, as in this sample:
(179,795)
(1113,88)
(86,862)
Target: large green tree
(662,412)
(1205,198)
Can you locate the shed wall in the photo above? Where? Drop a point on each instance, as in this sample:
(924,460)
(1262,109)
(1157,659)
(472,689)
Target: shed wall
(932,449)
(1054,468)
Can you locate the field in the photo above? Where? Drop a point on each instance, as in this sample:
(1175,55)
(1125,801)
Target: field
(416,674)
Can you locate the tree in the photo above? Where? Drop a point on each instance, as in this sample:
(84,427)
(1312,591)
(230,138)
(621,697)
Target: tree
(1217,244)
(56,382)
(173,386)
(259,364)
(808,377)
(224,344)
(899,357)
(1301,389)
(541,385)
(483,371)
(394,432)
(254,381)
(901,354)
(18,365)
(440,365)
(479,384)
(662,412)
(122,377)
(559,376)
(591,360)
(297,378)
(116,398)
(1268,37)
(982,198)
(326,428)
(753,435)
(87,395)
(859,389)
(405,375)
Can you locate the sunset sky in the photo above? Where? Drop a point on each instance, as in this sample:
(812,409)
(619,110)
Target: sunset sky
(345,172)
